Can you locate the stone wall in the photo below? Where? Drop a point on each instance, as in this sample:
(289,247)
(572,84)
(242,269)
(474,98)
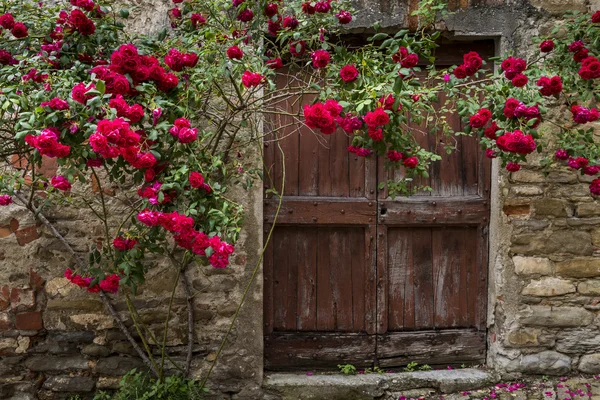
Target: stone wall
(544,289)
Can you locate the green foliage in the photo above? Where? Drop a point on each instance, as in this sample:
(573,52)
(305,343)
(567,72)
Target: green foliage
(139,386)
(347,369)
(411,367)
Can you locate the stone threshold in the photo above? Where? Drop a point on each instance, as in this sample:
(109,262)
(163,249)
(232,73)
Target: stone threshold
(374,386)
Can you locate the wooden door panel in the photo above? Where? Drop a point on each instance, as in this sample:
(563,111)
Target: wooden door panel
(320,279)
(293,351)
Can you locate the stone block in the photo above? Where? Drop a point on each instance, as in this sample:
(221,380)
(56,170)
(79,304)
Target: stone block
(555,317)
(532,265)
(573,242)
(577,340)
(558,7)
(116,366)
(590,363)
(29,321)
(543,363)
(588,209)
(579,267)
(65,383)
(552,207)
(526,190)
(94,350)
(47,363)
(591,288)
(105,382)
(93,321)
(526,176)
(74,304)
(523,337)
(562,176)
(59,287)
(547,287)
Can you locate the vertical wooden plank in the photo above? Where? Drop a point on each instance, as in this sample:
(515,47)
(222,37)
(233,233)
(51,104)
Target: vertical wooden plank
(382,282)
(325,172)
(371,190)
(470,259)
(423,277)
(340,278)
(463,251)
(356,174)
(281,254)
(358,269)
(482,281)
(470,157)
(308,164)
(451,177)
(370,263)
(325,317)
(340,173)
(291,315)
(446,249)
(409,284)
(307,275)
(268,283)
(290,145)
(399,254)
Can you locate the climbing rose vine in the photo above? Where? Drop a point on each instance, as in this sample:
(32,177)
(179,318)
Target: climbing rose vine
(164,125)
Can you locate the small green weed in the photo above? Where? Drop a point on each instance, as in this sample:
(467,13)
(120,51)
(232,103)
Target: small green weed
(347,369)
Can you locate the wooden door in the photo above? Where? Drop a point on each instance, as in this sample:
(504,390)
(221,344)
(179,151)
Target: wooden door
(352,276)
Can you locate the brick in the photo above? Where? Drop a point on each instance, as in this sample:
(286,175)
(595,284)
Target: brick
(5,322)
(29,321)
(14,225)
(5,231)
(516,210)
(27,235)
(35,280)
(4,298)
(22,299)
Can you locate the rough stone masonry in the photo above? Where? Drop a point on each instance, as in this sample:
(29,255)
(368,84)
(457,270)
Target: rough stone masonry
(544,293)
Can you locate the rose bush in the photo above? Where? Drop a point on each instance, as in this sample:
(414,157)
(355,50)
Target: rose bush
(160,118)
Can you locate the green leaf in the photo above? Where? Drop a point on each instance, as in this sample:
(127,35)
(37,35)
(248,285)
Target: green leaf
(379,36)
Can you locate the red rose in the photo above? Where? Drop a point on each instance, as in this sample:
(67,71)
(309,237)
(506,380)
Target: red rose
(245,16)
(196,179)
(520,80)
(322,7)
(318,117)
(477,121)
(490,132)
(596,17)
(190,60)
(235,53)
(251,79)
(581,55)
(290,22)
(168,82)
(377,118)
(60,182)
(394,155)
(376,134)
(297,48)
(7,21)
(460,72)
(348,73)
(187,135)
(197,19)
(576,46)
(561,154)
(591,170)
(547,46)
(174,59)
(510,106)
(512,166)
(19,30)
(307,8)
(88,28)
(120,84)
(135,113)
(333,108)
(411,162)
(275,63)
(473,61)
(344,17)
(410,61)
(271,10)
(320,58)
(595,187)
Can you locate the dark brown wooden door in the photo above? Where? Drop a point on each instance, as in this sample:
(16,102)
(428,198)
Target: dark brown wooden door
(353,276)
